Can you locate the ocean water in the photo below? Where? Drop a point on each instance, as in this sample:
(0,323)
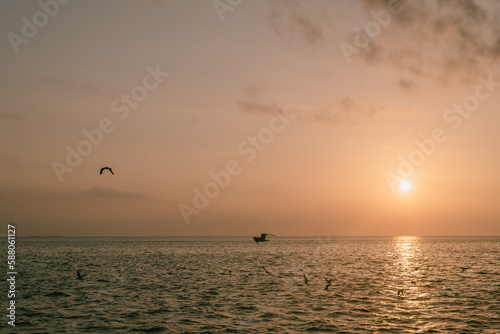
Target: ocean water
(218,285)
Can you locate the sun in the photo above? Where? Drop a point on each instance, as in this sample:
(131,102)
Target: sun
(404,185)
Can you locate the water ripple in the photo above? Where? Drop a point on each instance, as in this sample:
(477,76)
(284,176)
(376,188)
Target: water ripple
(215,285)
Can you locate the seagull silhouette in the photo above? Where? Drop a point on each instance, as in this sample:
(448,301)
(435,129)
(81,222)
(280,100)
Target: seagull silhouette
(266,270)
(104,168)
(328,283)
(79,276)
(262,237)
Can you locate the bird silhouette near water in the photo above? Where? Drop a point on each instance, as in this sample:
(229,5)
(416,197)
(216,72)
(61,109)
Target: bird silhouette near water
(328,283)
(104,168)
(262,237)
(267,271)
(79,276)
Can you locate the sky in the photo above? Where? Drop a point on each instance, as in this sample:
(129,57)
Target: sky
(237,117)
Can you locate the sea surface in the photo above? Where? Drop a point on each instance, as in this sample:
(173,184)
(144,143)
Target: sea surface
(219,285)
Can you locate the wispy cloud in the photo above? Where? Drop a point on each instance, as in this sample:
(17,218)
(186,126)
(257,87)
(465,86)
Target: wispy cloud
(291,20)
(407,84)
(439,39)
(338,110)
(251,103)
(345,110)
(253,106)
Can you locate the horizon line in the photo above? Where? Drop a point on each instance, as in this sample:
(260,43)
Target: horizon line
(245,236)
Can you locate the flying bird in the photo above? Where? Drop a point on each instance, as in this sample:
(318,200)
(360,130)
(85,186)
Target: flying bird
(262,237)
(266,270)
(79,276)
(104,168)
(305,278)
(328,283)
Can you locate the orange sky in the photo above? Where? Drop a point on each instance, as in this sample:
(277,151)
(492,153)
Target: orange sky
(308,108)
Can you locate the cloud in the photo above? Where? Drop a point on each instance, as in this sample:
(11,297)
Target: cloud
(251,102)
(443,40)
(290,20)
(252,106)
(111,193)
(343,110)
(407,84)
(338,110)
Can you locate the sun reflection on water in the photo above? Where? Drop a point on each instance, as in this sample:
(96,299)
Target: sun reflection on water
(407,259)
(408,251)
(410,271)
